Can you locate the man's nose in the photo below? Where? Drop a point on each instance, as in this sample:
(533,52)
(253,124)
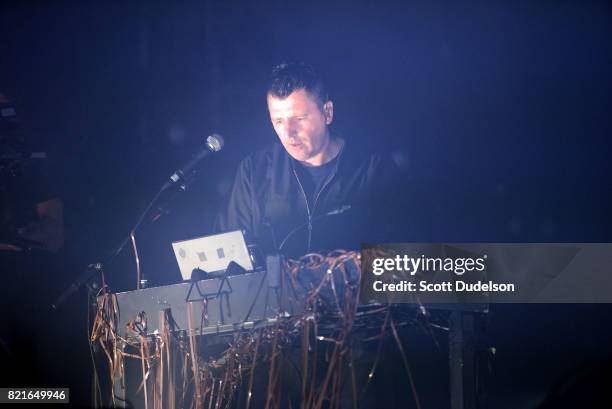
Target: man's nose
(291,129)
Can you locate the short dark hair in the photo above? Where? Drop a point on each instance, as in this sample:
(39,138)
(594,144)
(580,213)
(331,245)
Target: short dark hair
(288,77)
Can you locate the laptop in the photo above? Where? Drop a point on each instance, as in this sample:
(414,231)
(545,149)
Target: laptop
(212,253)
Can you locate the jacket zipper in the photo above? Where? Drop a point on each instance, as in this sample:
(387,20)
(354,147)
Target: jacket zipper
(314,205)
(307,207)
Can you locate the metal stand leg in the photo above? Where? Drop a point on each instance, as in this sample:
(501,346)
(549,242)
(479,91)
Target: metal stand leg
(462,360)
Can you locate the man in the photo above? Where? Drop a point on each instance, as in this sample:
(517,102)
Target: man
(313,191)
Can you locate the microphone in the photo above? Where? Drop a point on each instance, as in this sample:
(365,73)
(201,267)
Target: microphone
(214,143)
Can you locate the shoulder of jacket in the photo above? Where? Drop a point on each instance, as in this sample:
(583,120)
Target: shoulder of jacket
(355,154)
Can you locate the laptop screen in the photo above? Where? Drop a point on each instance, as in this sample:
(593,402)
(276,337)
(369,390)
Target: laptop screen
(212,253)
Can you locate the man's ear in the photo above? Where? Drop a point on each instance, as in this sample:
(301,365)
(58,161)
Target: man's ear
(328,111)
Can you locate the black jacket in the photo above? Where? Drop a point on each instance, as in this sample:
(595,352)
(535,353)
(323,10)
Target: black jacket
(268,202)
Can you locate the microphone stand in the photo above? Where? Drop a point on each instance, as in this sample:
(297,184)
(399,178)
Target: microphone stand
(82,279)
(141,280)
(183,178)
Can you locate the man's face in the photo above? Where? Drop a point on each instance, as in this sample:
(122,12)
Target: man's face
(301,125)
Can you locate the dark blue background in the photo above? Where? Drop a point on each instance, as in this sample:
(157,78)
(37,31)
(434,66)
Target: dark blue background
(499,113)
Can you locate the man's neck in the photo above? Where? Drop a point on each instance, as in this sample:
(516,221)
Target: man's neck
(327,154)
